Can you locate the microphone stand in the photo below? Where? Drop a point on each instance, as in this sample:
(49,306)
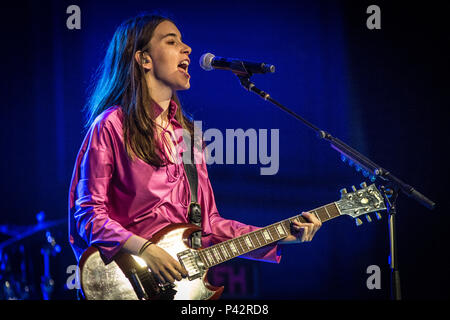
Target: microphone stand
(368,168)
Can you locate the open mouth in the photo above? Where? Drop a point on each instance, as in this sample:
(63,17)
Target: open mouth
(183,67)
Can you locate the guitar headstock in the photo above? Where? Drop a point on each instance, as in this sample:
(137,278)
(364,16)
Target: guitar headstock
(361,202)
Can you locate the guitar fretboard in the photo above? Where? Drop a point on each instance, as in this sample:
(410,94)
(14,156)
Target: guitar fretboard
(230,249)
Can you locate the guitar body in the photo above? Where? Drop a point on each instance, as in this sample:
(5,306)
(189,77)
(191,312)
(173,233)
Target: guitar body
(127,278)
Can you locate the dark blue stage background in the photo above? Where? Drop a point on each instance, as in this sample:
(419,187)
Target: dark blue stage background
(383,92)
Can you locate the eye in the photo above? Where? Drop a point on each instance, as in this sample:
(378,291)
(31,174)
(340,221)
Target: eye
(171,42)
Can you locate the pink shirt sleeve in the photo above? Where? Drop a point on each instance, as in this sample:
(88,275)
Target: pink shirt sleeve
(91,217)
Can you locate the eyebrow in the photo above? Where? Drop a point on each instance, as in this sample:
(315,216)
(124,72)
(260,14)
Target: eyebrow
(170,35)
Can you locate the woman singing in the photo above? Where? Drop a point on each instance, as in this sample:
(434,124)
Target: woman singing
(127,183)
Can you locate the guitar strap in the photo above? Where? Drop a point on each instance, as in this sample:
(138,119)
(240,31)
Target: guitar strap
(194,213)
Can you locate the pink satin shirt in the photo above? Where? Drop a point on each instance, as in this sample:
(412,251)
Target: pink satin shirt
(113,197)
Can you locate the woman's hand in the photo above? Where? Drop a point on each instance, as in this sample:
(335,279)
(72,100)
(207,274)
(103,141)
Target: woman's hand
(303,232)
(163,266)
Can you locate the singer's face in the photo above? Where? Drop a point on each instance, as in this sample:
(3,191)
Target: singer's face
(170,57)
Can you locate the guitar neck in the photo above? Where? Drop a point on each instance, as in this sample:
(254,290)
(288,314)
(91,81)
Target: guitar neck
(230,249)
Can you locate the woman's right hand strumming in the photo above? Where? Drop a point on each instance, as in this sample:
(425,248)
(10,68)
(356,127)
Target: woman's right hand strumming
(164,267)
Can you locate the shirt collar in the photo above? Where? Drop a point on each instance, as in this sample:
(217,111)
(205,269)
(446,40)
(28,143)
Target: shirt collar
(156,110)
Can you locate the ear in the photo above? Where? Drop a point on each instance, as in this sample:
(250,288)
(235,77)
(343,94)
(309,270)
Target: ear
(144,59)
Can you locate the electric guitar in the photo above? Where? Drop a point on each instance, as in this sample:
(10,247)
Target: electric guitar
(127,277)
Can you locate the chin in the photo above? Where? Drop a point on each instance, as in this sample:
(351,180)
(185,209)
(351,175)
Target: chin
(186,86)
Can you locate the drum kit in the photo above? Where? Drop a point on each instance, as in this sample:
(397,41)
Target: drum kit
(26,259)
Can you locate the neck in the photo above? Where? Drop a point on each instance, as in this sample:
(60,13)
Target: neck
(261,237)
(162,95)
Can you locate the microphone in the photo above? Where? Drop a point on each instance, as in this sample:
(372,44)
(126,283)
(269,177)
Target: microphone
(208,62)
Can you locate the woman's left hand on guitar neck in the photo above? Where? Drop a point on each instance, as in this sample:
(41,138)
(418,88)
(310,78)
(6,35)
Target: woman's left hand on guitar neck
(303,232)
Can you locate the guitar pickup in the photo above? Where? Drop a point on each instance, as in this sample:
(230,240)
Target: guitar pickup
(190,261)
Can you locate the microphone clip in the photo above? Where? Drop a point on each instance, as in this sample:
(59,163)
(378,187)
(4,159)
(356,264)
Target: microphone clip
(250,86)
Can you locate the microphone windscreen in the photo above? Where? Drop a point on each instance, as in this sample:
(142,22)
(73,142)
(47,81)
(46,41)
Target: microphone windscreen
(206,61)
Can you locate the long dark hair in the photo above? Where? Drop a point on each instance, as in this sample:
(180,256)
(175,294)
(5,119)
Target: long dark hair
(120,81)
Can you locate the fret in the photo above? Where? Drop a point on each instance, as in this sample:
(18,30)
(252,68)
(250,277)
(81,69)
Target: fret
(327,212)
(226,247)
(222,252)
(210,257)
(287,225)
(243,244)
(233,248)
(201,254)
(301,219)
(267,235)
(239,246)
(217,251)
(255,236)
(281,230)
(322,214)
(317,216)
(292,219)
(248,242)
(260,237)
(214,255)
(333,209)
(274,233)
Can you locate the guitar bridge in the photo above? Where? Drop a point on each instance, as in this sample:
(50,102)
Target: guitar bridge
(190,260)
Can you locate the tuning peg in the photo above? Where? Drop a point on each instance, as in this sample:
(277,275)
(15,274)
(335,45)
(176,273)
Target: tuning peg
(358,222)
(354,188)
(343,191)
(378,215)
(363,185)
(368,218)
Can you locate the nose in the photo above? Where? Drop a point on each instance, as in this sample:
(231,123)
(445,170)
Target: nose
(186,49)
